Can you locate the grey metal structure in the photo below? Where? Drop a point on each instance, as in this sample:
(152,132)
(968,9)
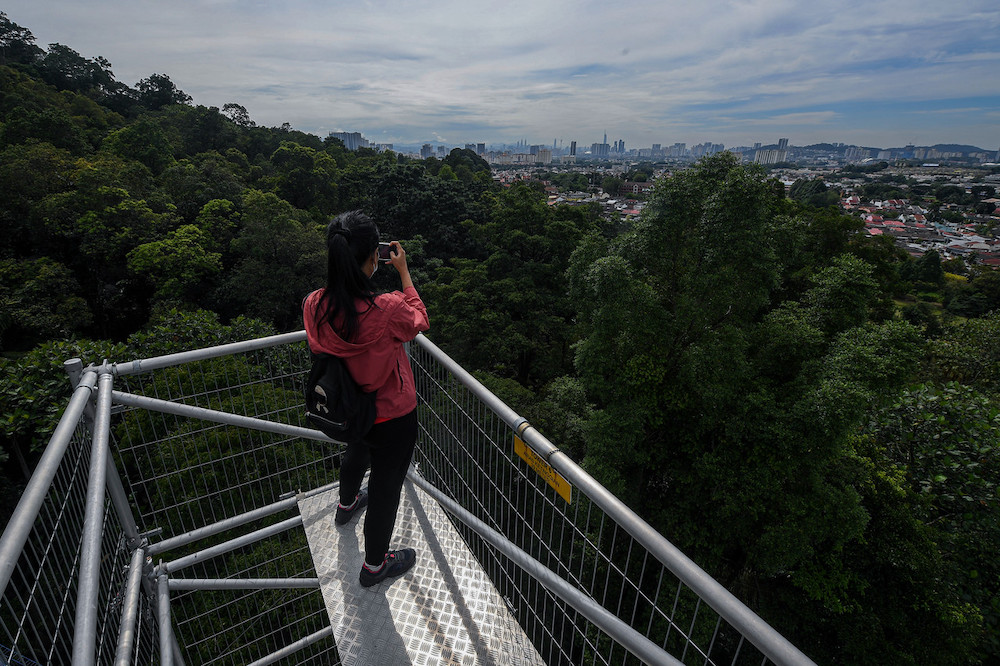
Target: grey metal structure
(171,520)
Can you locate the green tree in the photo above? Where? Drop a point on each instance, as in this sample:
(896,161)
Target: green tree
(17,44)
(813,192)
(943,441)
(280,257)
(158,91)
(29,173)
(305,177)
(143,141)
(195,181)
(179,265)
(40,301)
(510,313)
(730,423)
(611,185)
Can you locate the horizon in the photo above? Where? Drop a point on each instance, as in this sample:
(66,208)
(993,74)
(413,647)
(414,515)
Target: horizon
(454,73)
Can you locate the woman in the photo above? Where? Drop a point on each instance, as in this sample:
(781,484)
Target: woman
(347,319)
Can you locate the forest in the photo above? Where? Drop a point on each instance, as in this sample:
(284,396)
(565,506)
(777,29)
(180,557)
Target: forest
(774,392)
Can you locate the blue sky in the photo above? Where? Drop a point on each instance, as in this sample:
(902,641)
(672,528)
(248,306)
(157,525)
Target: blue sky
(875,73)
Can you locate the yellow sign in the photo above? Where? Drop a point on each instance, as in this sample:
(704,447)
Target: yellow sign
(545,470)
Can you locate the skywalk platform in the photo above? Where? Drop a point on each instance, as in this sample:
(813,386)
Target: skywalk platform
(443,611)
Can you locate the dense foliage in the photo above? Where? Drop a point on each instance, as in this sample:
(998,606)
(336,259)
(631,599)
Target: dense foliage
(733,365)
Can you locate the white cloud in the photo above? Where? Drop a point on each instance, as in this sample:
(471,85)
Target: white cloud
(470,70)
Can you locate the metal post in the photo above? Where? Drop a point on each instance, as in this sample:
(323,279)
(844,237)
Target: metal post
(85,628)
(130,610)
(16,533)
(163,608)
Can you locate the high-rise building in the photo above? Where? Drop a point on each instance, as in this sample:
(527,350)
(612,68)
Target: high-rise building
(782,144)
(769,156)
(470,146)
(572,148)
(480,148)
(426,150)
(351,140)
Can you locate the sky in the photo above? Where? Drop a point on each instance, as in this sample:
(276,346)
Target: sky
(879,73)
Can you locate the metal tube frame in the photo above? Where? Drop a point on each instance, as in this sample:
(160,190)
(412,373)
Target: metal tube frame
(16,533)
(85,626)
(236,521)
(221,526)
(292,648)
(228,546)
(163,619)
(765,638)
(772,644)
(215,416)
(160,362)
(643,648)
(242,583)
(130,610)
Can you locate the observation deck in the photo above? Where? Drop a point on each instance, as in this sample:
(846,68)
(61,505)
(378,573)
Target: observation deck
(182,514)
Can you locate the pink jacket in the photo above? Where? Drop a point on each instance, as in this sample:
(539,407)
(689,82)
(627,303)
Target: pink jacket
(377,360)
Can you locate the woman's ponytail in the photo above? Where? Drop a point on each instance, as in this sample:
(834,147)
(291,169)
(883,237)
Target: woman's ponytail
(351,239)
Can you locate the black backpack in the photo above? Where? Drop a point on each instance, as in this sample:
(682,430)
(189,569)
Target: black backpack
(335,403)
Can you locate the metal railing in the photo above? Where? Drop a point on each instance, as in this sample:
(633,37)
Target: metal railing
(161,525)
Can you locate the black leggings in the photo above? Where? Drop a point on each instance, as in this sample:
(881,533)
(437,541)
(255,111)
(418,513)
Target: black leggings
(388,448)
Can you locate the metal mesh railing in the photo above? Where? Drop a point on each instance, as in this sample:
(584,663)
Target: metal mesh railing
(209,496)
(39,601)
(184,473)
(467,450)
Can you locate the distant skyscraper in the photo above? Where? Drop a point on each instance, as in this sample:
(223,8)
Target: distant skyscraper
(572,148)
(351,140)
(782,144)
(480,148)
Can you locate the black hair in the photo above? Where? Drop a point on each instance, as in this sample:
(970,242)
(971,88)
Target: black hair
(351,239)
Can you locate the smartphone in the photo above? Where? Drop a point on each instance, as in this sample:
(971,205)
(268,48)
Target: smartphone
(383,252)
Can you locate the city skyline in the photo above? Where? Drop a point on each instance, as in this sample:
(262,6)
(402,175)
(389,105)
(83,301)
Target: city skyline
(884,74)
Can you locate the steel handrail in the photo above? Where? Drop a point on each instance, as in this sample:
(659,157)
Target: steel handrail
(771,643)
(759,633)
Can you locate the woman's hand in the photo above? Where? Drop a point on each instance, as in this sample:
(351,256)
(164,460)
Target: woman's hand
(397,257)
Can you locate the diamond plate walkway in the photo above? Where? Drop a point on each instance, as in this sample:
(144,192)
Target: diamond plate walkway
(443,611)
